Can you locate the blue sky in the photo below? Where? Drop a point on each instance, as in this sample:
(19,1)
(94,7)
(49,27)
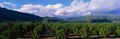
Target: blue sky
(42,2)
(65,8)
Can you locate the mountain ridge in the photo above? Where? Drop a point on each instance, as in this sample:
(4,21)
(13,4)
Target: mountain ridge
(10,15)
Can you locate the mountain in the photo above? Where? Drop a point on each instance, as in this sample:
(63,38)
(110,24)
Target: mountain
(94,18)
(10,15)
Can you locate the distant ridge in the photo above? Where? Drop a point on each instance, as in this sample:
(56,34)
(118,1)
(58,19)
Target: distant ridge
(10,15)
(95,18)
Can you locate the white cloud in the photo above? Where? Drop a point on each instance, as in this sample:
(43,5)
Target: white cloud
(57,6)
(9,4)
(76,8)
(1,5)
(104,5)
(40,10)
(95,6)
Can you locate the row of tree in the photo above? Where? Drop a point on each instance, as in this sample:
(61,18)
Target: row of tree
(16,30)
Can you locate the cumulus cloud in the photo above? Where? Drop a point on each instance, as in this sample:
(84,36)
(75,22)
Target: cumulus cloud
(1,5)
(76,8)
(94,6)
(104,5)
(6,4)
(40,10)
(9,4)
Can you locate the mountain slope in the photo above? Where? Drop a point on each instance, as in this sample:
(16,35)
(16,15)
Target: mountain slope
(10,15)
(95,18)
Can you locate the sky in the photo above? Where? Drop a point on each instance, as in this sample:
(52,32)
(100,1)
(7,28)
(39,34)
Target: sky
(63,8)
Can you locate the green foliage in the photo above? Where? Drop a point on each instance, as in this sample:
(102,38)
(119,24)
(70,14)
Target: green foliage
(60,34)
(36,33)
(7,34)
(105,30)
(12,33)
(13,30)
(118,31)
(3,27)
(83,32)
(92,29)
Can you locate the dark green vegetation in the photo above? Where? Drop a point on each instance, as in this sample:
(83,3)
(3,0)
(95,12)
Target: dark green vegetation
(10,15)
(14,30)
(61,28)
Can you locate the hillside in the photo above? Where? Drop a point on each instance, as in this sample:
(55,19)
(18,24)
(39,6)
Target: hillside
(95,18)
(10,15)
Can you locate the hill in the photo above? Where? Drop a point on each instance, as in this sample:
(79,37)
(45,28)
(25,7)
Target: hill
(95,18)
(10,15)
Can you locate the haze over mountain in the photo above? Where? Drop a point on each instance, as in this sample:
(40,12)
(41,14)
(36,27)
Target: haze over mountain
(95,18)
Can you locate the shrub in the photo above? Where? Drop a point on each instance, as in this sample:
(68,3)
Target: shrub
(60,34)
(37,32)
(105,30)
